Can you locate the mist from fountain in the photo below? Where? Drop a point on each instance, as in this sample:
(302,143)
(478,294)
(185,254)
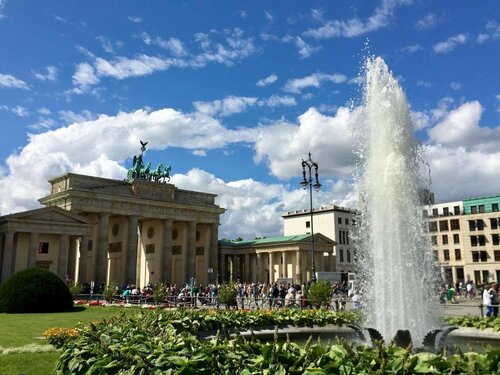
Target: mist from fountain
(392,246)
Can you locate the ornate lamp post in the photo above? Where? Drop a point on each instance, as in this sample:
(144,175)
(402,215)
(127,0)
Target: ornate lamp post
(307,180)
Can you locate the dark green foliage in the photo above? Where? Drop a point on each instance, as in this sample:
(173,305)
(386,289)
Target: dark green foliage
(320,293)
(228,294)
(35,290)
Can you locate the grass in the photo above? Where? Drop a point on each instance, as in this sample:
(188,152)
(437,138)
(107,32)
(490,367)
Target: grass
(23,329)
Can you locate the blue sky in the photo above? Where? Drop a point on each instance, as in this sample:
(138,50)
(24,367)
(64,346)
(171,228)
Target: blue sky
(233,94)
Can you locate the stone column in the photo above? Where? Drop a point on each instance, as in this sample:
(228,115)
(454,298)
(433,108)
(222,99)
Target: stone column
(82,264)
(271,268)
(234,273)
(191,252)
(166,250)
(32,250)
(247,269)
(298,267)
(62,260)
(9,256)
(102,248)
(130,255)
(259,272)
(284,269)
(213,261)
(332,262)
(222,268)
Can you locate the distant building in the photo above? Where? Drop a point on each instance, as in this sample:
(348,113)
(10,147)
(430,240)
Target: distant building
(334,222)
(465,239)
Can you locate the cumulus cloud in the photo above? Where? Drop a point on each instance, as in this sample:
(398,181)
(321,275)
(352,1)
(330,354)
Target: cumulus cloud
(109,46)
(305,50)
(267,81)
(455,86)
(50,74)
(18,110)
(9,81)
(314,80)
(354,27)
(135,19)
(450,44)
(231,105)
(230,48)
(427,22)
(491,32)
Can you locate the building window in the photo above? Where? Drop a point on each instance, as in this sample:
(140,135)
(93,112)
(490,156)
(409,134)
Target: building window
(480,224)
(484,256)
(456,238)
(456,210)
(496,254)
(434,240)
(455,224)
(339,220)
(43,248)
(446,211)
(348,252)
(308,224)
(446,255)
(436,256)
(494,207)
(473,240)
(458,254)
(176,250)
(445,239)
(472,225)
(347,237)
(353,222)
(495,239)
(494,223)
(200,250)
(346,221)
(473,209)
(481,208)
(443,225)
(482,240)
(475,256)
(433,226)
(435,212)
(341,255)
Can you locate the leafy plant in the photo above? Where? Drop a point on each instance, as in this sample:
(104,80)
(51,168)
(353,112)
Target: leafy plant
(228,294)
(320,293)
(159,293)
(109,292)
(75,289)
(58,336)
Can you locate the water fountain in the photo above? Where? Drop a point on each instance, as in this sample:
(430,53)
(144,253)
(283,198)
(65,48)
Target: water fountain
(393,249)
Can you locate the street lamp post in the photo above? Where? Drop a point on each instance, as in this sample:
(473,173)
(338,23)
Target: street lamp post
(307,180)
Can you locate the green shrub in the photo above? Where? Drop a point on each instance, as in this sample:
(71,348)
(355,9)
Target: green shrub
(35,290)
(109,292)
(159,293)
(228,294)
(320,293)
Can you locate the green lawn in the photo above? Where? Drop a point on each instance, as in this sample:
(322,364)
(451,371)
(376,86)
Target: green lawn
(23,329)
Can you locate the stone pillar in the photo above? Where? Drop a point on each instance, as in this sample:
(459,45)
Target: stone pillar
(234,272)
(191,252)
(298,268)
(32,250)
(101,270)
(259,272)
(332,262)
(82,264)
(284,269)
(246,277)
(72,258)
(62,260)
(166,250)
(271,268)
(9,256)
(222,268)
(130,255)
(213,260)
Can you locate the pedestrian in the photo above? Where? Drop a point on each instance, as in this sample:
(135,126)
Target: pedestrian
(487,302)
(494,301)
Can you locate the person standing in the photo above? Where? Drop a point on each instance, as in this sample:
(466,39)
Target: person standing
(487,302)
(494,301)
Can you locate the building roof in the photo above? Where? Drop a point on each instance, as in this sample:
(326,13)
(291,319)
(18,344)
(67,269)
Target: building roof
(322,209)
(271,240)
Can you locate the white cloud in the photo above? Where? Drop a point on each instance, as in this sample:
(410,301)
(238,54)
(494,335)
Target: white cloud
(427,22)
(60,19)
(122,67)
(135,19)
(2,5)
(20,111)
(108,46)
(199,153)
(267,81)
(481,38)
(174,45)
(278,101)
(231,105)
(43,111)
(314,80)
(305,50)
(354,26)
(424,83)
(491,33)
(412,48)
(455,86)
(49,75)
(450,44)
(84,77)
(6,80)
(269,16)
